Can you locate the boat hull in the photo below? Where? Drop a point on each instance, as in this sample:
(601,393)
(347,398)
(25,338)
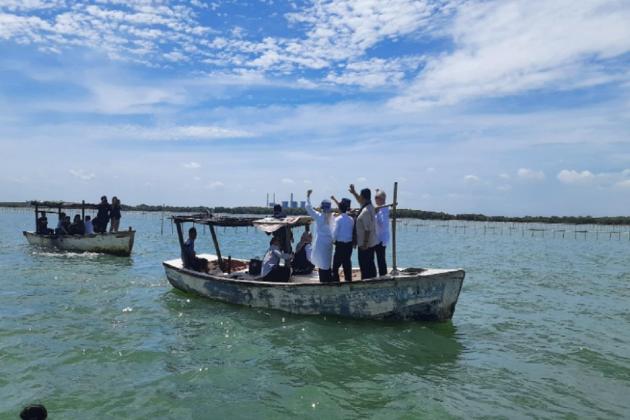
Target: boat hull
(421,295)
(119,243)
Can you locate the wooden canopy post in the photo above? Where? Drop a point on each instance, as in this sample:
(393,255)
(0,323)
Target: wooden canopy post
(180,235)
(394,206)
(83,210)
(216,245)
(36,208)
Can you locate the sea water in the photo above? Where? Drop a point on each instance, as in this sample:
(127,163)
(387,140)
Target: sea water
(542,329)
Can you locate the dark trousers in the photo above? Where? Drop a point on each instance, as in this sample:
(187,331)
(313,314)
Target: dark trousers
(380,259)
(342,258)
(100,225)
(366,263)
(324,276)
(279,274)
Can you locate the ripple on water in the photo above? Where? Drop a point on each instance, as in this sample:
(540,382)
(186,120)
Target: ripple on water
(541,330)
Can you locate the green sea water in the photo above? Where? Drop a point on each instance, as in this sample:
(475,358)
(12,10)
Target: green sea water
(542,329)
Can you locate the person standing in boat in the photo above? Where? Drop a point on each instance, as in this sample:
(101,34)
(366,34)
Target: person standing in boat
(323,244)
(189,256)
(102,215)
(342,235)
(382,231)
(89,226)
(366,232)
(301,263)
(115,215)
(271,268)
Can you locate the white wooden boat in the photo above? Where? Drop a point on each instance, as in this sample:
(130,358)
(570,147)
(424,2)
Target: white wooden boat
(411,294)
(408,294)
(117,243)
(120,243)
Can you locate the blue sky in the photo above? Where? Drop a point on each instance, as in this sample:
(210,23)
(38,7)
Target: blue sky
(501,107)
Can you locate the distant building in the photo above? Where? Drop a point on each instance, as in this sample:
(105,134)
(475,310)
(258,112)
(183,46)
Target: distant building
(302,204)
(294,204)
(285,204)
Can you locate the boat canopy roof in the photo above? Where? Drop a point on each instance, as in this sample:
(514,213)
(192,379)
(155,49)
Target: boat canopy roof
(212,220)
(268,224)
(272,224)
(61,205)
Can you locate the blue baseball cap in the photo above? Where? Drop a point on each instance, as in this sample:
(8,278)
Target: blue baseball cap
(326,206)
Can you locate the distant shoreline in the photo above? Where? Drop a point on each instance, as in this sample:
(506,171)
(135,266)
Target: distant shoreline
(402,213)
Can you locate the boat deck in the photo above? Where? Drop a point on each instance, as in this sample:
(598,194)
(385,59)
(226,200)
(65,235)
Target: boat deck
(240,271)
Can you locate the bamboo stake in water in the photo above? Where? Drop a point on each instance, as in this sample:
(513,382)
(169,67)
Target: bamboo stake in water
(395,205)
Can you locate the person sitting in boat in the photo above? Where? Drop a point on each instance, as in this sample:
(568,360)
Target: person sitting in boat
(271,268)
(77,227)
(42,224)
(61,230)
(115,215)
(342,235)
(65,225)
(89,226)
(189,256)
(301,263)
(102,215)
(322,248)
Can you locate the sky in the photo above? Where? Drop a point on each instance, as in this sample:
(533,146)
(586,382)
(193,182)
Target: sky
(511,107)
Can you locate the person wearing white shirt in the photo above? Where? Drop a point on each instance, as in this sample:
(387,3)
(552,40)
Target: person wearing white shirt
(89,227)
(323,243)
(366,233)
(342,235)
(382,231)
(271,268)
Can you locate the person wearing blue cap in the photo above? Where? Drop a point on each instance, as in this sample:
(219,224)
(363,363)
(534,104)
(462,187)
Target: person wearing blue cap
(342,235)
(323,243)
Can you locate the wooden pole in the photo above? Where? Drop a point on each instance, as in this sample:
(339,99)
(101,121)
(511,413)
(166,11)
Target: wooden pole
(36,218)
(83,210)
(216,246)
(180,236)
(395,205)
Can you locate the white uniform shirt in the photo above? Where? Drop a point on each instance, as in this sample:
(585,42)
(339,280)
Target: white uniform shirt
(366,227)
(382,226)
(323,242)
(344,225)
(89,228)
(272,259)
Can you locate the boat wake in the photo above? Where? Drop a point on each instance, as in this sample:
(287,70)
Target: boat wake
(64,254)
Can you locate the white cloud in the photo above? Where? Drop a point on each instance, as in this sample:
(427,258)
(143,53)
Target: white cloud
(287,181)
(174,133)
(192,165)
(623,184)
(510,46)
(530,174)
(81,174)
(471,179)
(213,185)
(361,179)
(576,178)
